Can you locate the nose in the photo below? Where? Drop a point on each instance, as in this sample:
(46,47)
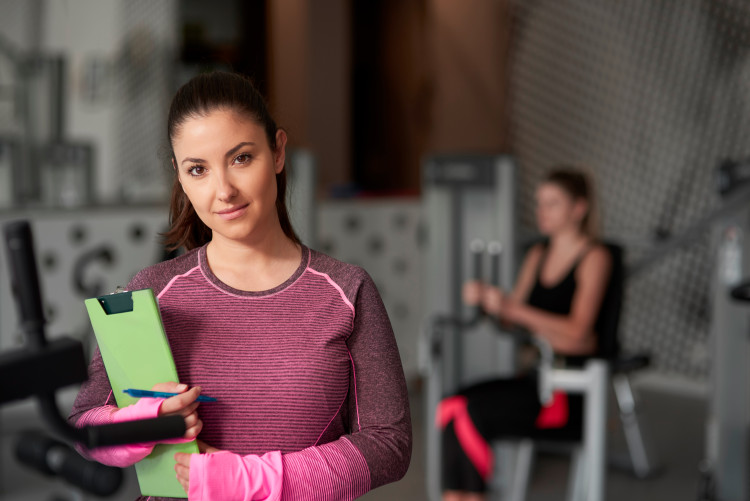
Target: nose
(225,189)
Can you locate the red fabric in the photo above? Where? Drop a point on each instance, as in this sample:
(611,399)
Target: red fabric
(472,442)
(555,414)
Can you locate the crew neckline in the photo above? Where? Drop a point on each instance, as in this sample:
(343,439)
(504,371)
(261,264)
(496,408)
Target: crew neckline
(213,279)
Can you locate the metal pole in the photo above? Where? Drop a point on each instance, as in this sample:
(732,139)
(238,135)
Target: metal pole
(595,426)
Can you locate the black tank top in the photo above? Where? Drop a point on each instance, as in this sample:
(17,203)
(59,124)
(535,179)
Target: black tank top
(557,298)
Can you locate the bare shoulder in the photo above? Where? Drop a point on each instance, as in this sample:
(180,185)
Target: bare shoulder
(597,261)
(531,261)
(534,254)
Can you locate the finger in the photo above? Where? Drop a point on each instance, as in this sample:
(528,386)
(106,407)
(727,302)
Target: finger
(182,471)
(184,484)
(470,293)
(190,409)
(173,405)
(170,386)
(184,412)
(182,458)
(191,420)
(194,431)
(183,476)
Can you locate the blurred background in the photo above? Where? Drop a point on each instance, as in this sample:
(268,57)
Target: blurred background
(651,97)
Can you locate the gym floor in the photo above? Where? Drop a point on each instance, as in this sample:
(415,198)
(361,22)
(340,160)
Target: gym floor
(675,417)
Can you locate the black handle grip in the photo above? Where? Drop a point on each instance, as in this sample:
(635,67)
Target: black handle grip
(741,291)
(494,249)
(129,432)
(476,247)
(25,280)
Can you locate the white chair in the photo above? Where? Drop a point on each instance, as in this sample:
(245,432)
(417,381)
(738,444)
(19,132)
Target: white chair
(587,477)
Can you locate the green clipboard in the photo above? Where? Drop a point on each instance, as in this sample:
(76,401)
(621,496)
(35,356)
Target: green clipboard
(136,354)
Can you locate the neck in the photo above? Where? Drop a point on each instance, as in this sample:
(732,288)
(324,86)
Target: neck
(256,266)
(567,238)
(239,253)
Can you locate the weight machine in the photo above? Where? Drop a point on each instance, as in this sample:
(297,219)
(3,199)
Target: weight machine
(725,472)
(465,197)
(41,368)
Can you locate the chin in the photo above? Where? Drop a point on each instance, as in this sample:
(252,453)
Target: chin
(233,233)
(544,230)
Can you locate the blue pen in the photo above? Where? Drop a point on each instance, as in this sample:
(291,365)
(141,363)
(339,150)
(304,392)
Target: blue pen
(162,394)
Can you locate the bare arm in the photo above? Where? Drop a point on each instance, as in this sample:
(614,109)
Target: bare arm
(475,292)
(527,275)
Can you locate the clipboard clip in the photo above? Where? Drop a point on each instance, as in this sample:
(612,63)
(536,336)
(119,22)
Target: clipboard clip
(120,301)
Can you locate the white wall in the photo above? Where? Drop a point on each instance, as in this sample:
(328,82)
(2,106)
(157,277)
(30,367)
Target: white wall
(102,41)
(85,31)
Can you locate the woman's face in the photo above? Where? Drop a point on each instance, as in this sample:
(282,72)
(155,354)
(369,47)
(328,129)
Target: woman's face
(228,171)
(557,211)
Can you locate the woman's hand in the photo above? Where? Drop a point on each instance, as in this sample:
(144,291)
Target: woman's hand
(182,468)
(494,301)
(183,404)
(472,292)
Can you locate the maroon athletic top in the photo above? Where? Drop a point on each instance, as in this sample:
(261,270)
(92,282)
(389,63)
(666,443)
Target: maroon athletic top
(309,368)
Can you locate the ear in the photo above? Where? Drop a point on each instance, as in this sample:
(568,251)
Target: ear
(280,153)
(581,208)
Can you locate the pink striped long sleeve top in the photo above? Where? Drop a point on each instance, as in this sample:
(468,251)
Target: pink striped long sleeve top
(310,369)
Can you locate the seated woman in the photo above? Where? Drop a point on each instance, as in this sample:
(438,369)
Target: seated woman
(557,297)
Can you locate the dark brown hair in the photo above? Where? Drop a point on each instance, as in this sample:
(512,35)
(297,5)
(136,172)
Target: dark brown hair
(576,184)
(200,96)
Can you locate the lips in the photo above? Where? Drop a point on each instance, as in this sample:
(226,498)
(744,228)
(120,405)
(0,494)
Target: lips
(232,212)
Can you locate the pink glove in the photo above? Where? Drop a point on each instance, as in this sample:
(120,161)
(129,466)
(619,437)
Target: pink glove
(224,476)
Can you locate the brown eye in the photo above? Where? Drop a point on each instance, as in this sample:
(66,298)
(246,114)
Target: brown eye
(196,170)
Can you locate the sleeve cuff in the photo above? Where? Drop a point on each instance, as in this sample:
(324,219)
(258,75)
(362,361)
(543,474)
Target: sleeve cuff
(145,408)
(224,475)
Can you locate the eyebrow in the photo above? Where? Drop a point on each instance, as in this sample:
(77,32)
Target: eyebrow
(229,153)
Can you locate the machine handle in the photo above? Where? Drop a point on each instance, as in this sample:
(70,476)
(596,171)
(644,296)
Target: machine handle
(741,291)
(495,249)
